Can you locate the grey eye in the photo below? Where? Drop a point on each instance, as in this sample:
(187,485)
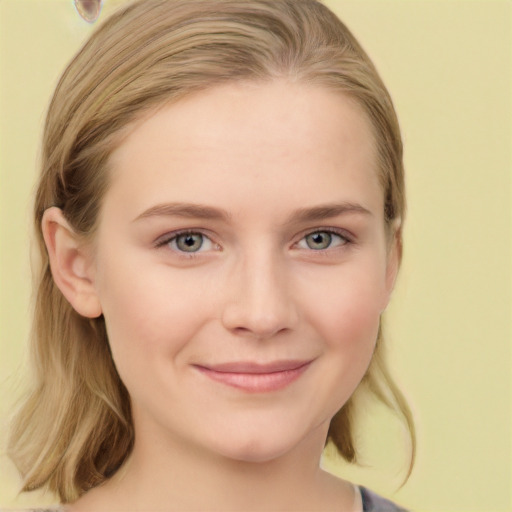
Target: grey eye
(319,240)
(189,242)
(322,240)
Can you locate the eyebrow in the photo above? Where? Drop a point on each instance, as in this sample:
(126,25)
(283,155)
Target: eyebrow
(328,211)
(186,210)
(199,211)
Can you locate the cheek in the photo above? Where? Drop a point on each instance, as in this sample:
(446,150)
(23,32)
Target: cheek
(351,330)
(346,314)
(348,301)
(349,326)
(150,314)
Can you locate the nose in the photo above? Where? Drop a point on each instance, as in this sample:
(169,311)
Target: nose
(259,302)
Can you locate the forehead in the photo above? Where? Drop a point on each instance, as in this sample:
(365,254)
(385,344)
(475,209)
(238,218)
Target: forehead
(248,138)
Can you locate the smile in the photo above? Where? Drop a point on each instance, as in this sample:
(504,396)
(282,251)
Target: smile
(256,378)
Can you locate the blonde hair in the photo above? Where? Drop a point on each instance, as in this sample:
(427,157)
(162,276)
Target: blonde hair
(74,430)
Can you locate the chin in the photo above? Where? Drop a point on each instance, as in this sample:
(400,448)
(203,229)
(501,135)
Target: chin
(256,452)
(265,445)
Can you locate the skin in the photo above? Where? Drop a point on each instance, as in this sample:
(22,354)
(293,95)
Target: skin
(273,163)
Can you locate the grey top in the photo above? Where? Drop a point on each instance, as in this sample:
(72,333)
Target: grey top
(374,503)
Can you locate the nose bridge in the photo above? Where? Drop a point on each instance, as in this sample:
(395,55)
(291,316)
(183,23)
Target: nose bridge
(260,303)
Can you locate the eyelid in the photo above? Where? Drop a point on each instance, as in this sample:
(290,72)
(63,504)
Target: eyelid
(165,239)
(343,233)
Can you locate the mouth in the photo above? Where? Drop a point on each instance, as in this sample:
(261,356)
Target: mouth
(254,377)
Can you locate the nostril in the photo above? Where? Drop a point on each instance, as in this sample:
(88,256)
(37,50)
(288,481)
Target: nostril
(259,329)
(260,304)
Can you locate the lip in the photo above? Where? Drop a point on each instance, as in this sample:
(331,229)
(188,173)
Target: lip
(255,377)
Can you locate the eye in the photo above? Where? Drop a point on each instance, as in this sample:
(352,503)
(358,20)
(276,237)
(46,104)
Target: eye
(188,242)
(321,240)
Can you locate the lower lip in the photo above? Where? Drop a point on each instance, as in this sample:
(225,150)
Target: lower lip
(256,382)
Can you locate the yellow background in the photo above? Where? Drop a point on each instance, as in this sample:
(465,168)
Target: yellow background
(448,67)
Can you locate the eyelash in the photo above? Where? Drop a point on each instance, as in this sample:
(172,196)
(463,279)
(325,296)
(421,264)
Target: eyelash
(170,237)
(346,239)
(165,240)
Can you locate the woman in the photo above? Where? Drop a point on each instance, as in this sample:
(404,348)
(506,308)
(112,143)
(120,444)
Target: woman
(219,217)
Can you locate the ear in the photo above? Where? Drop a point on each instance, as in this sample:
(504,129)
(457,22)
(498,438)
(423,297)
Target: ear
(393,259)
(71,263)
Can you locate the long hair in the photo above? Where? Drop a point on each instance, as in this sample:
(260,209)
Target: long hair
(74,429)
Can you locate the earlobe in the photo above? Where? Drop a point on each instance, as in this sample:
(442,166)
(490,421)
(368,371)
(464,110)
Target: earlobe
(71,264)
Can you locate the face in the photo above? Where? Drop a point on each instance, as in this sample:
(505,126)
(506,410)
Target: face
(242,265)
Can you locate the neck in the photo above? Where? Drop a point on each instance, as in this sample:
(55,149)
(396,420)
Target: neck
(169,475)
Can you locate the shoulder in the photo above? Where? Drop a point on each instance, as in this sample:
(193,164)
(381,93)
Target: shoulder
(374,503)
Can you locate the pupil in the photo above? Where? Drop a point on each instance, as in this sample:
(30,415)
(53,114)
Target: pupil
(319,240)
(190,242)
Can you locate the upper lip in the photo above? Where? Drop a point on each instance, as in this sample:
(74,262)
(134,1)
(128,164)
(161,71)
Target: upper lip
(254,367)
